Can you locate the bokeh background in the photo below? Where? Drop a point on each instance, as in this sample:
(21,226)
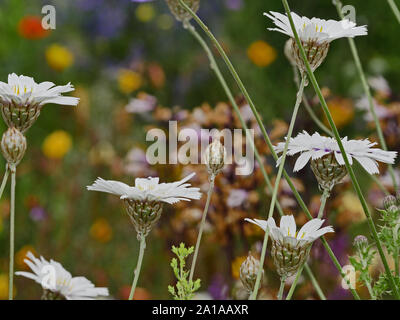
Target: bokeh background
(115,50)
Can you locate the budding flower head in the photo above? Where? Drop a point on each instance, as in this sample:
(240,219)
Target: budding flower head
(360,241)
(248,272)
(180,12)
(389,201)
(13,146)
(215,157)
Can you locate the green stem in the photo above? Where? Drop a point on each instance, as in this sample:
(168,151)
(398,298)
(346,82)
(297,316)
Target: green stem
(342,150)
(4,182)
(282,286)
(265,135)
(12,235)
(202,224)
(325,196)
(138,266)
(369,287)
(314,282)
(395,9)
(276,187)
(367,92)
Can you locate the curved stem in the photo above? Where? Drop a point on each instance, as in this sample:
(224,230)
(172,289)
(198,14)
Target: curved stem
(324,197)
(395,9)
(282,286)
(12,237)
(215,68)
(203,220)
(276,187)
(367,92)
(266,137)
(138,266)
(342,150)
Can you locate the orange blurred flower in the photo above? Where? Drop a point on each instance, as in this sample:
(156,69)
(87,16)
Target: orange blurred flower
(30,27)
(101,230)
(261,53)
(236,266)
(21,255)
(342,112)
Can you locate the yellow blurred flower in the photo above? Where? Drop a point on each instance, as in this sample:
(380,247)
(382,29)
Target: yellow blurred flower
(21,255)
(261,53)
(145,12)
(129,81)
(4,287)
(350,210)
(101,230)
(342,112)
(57,144)
(59,57)
(165,21)
(236,266)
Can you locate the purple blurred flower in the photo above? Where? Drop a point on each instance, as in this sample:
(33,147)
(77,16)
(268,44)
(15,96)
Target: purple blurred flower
(234,4)
(218,289)
(38,214)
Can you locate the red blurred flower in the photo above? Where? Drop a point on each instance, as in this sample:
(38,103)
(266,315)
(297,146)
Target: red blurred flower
(30,27)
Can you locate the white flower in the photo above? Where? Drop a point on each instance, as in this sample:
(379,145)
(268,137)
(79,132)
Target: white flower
(141,105)
(21,99)
(22,90)
(236,198)
(287,231)
(317,146)
(53,277)
(149,189)
(315,29)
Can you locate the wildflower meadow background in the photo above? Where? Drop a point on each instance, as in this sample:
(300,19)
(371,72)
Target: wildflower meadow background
(116,50)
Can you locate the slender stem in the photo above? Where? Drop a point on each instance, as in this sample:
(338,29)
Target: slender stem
(369,287)
(396,252)
(395,9)
(265,135)
(294,284)
(202,223)
(342,150)
(282,286)
(325,196)
(276,187)
(367,92)
(4,182)
(138,266)
(12,227)
(314,282)
(215,68)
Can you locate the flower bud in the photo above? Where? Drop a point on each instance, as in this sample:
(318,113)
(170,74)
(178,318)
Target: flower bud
(393,210)
(360,241)
(13,146)
(215,157)
(143,214)
(389,201)
(328,171)
(179,12)
(248,272)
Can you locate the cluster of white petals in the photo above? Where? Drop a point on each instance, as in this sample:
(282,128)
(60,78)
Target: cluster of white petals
(24,91)
(315,29)
(70,288)
(312,147)
(287,231)
(149,189)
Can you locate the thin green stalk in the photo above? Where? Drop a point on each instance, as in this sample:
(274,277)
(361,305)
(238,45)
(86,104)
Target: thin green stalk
(282,286)
(342,150)
(265,135)
(395,9)
(138,266)
(276,187)
(367,92)
(369,287)
(314,282)
(12,236)
(4,182)
(202,224)
(324,198)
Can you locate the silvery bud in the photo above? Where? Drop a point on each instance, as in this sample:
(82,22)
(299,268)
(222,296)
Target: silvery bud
(360,241)
(179,12)
(215,157)
(248,272)
(389,201)
(13,146)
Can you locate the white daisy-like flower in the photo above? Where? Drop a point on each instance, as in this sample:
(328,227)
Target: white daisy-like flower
(58,283)
(21,99)
(315,29)
(290,247)
(316,146)
(287,230)
(144,201)
(149,189)
(315,34)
